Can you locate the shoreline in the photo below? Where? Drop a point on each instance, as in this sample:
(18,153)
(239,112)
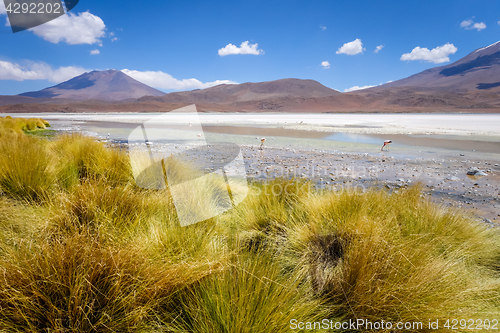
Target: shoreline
(486,124)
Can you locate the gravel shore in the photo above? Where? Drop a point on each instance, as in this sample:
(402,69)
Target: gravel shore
(444,181)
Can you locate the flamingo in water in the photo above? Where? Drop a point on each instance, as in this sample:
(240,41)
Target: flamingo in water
(262,143)
(386,143)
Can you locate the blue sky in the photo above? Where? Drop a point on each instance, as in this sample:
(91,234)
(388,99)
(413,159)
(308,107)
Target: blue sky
(183,45)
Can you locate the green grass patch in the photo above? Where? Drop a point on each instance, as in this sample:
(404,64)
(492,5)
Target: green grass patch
(44,133)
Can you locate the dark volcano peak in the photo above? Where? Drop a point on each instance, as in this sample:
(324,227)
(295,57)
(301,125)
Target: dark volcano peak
(109,85)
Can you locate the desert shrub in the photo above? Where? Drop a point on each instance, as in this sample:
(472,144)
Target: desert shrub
(26,170)
(22,124)
(251,295)
(394,257)
(94,205)
(78,285)
(82,157)
(269,208)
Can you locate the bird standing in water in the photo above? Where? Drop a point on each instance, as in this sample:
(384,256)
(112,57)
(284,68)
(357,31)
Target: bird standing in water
(386,143)
(262,143)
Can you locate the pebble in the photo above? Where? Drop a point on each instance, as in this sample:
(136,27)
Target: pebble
(475,172)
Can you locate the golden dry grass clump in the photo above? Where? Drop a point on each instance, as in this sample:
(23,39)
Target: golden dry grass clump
(398,257)
(22,124)
(84,249)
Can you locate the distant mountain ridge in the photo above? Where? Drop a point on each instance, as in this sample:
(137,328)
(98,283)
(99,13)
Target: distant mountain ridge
(249,92)
(109,85)
(479,70)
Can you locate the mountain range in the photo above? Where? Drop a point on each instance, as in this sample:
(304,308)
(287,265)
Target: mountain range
(480,70)
(471,84)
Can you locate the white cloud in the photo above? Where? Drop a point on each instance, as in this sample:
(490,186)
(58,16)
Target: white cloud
(94,52)
(325,64)
(244,48)
(352,48)
(113,37)
(437,55)
(378,48)
(469,24)
(2,8)
(84,28)
(37,71)
(498,22)
(364,87)
(322,27)
(163,80)
(466,23)
(358,88)
(479,26)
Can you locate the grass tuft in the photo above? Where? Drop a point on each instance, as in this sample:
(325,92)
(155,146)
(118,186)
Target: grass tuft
(26,170)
